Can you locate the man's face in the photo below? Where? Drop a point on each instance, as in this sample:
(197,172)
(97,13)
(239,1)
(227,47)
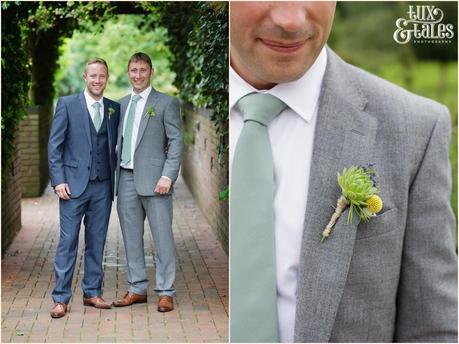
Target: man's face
(96,77)
(140,75)
(274,42)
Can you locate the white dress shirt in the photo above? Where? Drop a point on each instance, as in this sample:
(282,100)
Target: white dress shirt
(89,104)
(292,135)
(139,110)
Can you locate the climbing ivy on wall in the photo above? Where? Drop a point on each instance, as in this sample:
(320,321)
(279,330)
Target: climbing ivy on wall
(15,81)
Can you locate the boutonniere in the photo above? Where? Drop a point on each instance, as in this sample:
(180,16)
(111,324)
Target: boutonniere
(111,111)
(359,187)
(151,112)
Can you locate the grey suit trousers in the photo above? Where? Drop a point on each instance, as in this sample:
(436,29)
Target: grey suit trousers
(132,209)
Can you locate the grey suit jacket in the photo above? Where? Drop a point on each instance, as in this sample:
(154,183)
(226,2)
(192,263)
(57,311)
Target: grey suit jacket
(155,133)
(395,277)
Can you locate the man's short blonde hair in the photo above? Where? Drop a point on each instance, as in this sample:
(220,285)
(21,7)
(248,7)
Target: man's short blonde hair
(96,60)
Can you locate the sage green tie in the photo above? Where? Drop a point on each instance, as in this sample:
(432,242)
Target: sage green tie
(127,136)
(97,117)
(253,292)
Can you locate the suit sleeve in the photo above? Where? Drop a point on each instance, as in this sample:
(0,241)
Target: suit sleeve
(56,144)
(173,128)
(427,294)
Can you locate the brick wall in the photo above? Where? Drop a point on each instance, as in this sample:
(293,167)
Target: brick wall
(205,177)
(11,203)
(33,147)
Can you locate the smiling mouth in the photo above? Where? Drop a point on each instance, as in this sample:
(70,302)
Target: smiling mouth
(282,47)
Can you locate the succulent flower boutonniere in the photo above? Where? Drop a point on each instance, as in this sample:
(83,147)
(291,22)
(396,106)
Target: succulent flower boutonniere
(111,111)
(151,112)
(359,191)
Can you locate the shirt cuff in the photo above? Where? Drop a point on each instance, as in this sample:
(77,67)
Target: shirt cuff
(166,178)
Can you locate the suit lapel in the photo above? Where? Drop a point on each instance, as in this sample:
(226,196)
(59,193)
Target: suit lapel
(86,117)
(151,101)
(344,136)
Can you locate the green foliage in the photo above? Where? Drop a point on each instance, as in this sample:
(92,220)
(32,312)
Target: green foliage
(120,37)
(362,33)
(15,81)
(48,24)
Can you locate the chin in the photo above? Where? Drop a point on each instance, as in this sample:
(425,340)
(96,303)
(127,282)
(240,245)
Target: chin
(283,76)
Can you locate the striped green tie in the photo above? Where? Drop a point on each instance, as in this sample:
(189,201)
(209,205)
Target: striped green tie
(253,301)
(97,118)
(127,136)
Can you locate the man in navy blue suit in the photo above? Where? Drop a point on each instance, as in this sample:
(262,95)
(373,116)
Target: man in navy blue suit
(82,160)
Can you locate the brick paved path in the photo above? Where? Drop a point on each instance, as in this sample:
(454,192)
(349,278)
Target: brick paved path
(201,306)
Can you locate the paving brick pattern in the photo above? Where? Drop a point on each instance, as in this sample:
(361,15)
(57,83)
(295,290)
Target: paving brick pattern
(201,305)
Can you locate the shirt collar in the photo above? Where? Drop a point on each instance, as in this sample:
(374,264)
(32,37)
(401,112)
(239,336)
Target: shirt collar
(144,94)
(301,95)
(90,100)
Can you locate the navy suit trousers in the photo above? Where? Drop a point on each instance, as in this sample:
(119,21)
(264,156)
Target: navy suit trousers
(94,204)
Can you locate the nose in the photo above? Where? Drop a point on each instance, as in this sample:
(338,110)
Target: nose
(291,17)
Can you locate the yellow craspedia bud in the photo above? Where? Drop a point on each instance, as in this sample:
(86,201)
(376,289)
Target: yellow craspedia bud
(374,204)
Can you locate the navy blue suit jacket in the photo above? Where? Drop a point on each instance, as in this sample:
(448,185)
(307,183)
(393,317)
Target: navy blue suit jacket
(69,146)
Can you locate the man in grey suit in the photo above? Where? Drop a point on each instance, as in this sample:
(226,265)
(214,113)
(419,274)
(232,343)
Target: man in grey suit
(392,279)
(149,153)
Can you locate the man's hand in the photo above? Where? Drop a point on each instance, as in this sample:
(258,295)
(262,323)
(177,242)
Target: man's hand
(163,186)
(62,191)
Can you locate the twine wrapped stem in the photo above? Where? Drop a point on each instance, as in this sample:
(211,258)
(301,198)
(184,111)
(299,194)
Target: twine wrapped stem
(340,206)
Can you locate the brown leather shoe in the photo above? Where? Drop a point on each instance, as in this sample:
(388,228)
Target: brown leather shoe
(97,302)
(165,303)
(58,310)
(129,299)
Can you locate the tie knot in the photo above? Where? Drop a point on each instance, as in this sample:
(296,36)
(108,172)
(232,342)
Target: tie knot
(96,106)
(135,98)
(260,107)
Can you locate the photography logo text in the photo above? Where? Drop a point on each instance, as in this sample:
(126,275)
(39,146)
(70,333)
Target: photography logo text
(423,25)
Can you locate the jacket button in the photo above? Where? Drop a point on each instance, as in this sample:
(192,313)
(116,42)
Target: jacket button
(88,168)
